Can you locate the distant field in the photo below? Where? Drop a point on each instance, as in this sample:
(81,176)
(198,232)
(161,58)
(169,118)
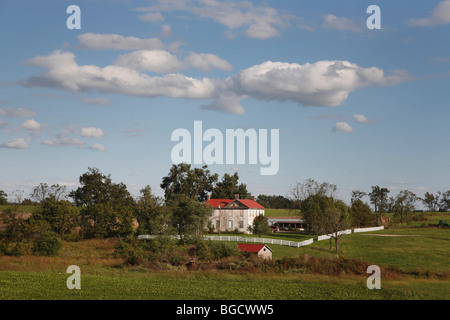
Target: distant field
(281,212)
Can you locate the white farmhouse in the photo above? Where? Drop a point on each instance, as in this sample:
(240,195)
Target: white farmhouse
(232,214)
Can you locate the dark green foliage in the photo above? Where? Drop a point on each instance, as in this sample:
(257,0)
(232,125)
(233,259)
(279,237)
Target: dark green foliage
(194,183)
(229,187)
(48,244)
(260,225)
(361,214)
(106,207)
(61,215)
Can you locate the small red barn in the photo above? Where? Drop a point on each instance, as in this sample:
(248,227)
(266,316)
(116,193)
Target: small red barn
(261,250)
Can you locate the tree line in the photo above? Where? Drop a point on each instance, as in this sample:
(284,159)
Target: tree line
(101,208)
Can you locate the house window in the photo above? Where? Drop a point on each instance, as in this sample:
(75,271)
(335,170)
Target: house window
(241,224)
(217,224)
(230,224)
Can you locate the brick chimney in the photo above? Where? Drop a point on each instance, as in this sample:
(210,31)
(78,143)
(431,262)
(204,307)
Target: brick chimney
(208,197)
(236,197)
(253,198)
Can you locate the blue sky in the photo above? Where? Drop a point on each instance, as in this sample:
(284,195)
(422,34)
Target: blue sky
(354,107)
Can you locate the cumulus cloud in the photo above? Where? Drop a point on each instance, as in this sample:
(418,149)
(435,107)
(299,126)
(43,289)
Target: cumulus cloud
(159,61)
(340,23)
(18,143)
(323,83)
(32,126)
(92,132)
(439,15)
(64,73)
(65,142)
(226,103)
(343,127)
(98,41)
(206,62)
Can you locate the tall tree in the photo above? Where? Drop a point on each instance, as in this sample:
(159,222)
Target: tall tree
(106,207)
(61,215)
(189,216)
(325,215)
(444,202)
(3,197)
(361,214)
(405,203)
(152,214)
(302,190)
(43,191)
(379,199)
(228,187)
(194,183)
(260,225)
(431,201)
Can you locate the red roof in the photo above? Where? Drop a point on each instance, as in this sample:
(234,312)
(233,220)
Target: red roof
(223,202)
(216,202)
(251,204)
(246,247)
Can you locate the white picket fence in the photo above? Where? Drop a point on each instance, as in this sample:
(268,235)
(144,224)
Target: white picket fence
(278,241)
(328,236)
(249,239)
(367,229)
(262,240)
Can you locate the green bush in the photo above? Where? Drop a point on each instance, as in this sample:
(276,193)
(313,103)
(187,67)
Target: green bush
(130,249)
(47,245)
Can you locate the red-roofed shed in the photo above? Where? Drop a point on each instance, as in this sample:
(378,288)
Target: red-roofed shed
(261,250)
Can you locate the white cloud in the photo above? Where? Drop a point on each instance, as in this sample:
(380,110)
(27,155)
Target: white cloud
(324,83)
(98,147)
(18,143)
(206,62)
(340,23)
(343,127)
(261,22)
(159,61)
(65,142)
(152,17)
(117,42)
(360,118)
(439,15)
(92,132)
(16,112)
(64,73)
(226,103)
(33,126)
(166,31)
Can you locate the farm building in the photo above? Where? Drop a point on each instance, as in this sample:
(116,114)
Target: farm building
(232,214)
(293,222)
(261,250)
